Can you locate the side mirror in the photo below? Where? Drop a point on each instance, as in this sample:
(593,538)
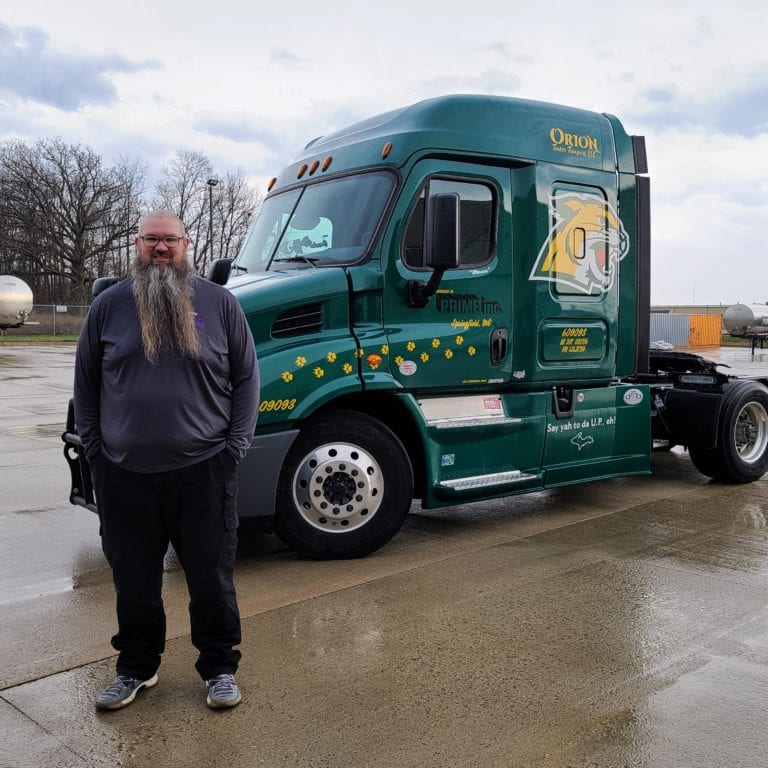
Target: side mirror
(441,245)
(219,271)
(442,232)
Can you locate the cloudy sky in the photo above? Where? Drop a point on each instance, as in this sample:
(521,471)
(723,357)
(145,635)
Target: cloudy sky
(249,83)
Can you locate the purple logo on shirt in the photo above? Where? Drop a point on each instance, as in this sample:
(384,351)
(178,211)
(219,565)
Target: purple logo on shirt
(199,321)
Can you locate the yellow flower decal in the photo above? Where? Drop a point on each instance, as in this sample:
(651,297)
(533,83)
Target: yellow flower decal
(385,349)
(358,353)
(347,368)
(319,372)
(471,350)
(424,356)
(301,361)
(399,360)
(287,376)
(331,357)
(459,341)
(435,343)
(410,346)
(448,354)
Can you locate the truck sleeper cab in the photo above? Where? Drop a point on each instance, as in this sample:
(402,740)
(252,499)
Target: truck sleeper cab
(450,302)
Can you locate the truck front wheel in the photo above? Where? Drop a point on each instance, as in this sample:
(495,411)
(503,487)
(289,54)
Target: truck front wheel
(345,488)
(741,455)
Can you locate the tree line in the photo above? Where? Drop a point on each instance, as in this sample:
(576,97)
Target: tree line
(67,218)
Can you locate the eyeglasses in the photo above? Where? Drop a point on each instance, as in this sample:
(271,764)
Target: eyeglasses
(153,240)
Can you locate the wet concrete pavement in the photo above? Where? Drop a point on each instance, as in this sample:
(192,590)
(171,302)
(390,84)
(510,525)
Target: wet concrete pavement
(620,623)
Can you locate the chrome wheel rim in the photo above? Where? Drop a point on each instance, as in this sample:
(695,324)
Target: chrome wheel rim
(751,432)
(338,487)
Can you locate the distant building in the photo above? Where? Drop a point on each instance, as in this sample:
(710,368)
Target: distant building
(690,309)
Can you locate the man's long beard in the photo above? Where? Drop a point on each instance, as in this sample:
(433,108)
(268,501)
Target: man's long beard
(166,313)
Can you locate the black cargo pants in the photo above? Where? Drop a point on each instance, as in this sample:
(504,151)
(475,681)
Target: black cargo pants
(194,509)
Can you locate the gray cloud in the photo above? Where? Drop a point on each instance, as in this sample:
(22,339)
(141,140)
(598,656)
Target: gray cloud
(283,56)
(242,129)
(508,53)
(32,71)
(278,141)
(496,82)
(740,111)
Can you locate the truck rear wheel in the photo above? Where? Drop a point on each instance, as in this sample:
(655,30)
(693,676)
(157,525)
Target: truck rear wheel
(345,488)
(741,455)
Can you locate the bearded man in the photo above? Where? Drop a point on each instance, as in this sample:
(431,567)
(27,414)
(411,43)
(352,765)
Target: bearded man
(166,399)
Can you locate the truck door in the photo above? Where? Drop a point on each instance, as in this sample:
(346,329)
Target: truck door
(462,336)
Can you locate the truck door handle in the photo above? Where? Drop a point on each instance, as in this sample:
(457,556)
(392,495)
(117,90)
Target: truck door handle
(498,345)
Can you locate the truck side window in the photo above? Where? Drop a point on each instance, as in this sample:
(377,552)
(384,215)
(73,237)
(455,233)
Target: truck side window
(476,238)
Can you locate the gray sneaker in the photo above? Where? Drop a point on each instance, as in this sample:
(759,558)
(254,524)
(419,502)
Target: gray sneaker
(122,691)
(223,692)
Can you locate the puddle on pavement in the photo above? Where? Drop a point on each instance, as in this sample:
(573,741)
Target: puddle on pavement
(35,430)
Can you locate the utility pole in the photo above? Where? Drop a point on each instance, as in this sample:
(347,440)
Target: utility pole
(211,184)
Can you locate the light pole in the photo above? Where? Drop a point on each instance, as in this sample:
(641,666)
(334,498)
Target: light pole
(211,184)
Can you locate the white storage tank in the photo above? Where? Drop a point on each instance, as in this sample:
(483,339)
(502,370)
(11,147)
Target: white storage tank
(15,301)
(741,319)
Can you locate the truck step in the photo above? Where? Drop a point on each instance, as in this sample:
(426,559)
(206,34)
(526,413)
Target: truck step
(461,422)
(486,481)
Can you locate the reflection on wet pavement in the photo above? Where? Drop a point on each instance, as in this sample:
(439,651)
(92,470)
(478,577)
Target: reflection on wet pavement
(619,623)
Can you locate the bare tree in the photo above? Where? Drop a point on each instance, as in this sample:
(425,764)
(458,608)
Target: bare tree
(65,218)
(184,189)
(64,214)
(234,208)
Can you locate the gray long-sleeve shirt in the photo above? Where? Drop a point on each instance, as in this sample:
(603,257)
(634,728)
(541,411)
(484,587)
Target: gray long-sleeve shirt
(155,417)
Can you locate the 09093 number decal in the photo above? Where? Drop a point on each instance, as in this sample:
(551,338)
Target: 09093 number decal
(277,405)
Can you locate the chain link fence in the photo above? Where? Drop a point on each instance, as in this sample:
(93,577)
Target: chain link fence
(52,320)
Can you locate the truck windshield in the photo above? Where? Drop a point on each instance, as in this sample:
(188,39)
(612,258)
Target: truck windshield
(327,223)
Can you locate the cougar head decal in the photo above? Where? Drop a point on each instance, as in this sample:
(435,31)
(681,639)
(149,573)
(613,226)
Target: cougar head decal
(584,246)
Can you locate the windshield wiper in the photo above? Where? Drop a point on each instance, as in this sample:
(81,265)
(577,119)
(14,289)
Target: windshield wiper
(239,268)
(297,258)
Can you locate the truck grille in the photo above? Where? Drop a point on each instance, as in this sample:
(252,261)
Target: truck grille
(298,321)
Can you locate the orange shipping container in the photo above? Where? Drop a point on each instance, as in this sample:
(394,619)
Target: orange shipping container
(705,330)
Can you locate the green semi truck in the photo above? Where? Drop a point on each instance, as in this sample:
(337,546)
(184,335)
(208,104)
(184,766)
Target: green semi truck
(450,302)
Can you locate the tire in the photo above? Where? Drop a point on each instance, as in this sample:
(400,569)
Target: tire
(344,489)
(741,455)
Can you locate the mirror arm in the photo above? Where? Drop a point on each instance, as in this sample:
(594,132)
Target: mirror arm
(419,293)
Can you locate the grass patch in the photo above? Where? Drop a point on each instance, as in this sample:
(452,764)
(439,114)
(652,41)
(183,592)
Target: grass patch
(30,338)
(732,341)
